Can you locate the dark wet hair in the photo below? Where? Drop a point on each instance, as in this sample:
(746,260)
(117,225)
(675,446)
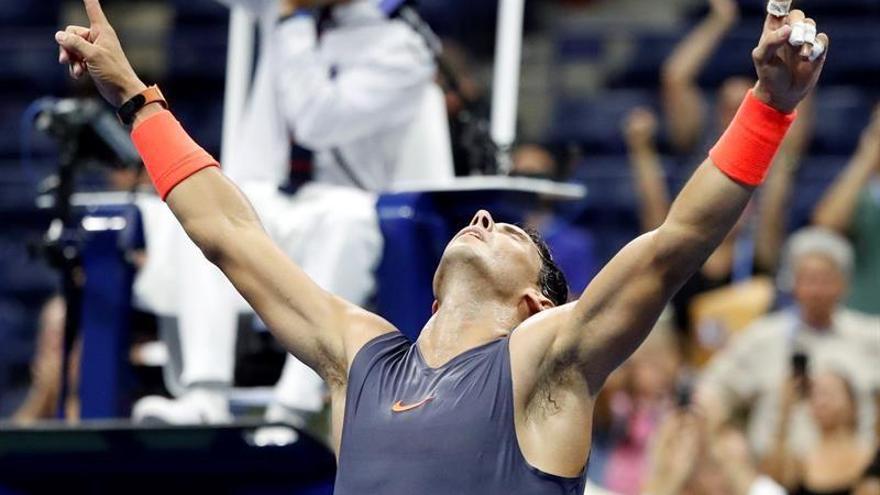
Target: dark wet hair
(551,280)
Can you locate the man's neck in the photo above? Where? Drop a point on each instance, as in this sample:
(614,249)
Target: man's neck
(464,320)
(820,323)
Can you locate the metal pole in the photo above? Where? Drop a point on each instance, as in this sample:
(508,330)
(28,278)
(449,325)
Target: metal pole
(505,94)
(239,64)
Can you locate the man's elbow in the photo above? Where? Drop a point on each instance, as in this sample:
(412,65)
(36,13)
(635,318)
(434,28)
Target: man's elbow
(678,251)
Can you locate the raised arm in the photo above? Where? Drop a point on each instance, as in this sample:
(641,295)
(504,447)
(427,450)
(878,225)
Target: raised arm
(780,463)
(838,206)
(623,302)
(683,103)
(653,194)
(319,328)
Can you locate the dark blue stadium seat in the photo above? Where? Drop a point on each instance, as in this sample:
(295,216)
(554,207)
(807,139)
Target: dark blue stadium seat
(200,12)
(815,175)
(29,56)
(841,115)
(595,123)
(856,45)
(29,12)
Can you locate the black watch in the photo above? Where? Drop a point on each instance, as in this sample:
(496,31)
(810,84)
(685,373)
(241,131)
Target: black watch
(130,108)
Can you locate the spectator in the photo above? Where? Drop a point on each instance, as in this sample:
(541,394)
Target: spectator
(640,131)
(836,463)
(45,390)
(684,106)
(852,208)
(638,407)
(572,246)
(689,459)
(747,373)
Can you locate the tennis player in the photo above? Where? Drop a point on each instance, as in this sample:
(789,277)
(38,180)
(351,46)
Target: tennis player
(497,394)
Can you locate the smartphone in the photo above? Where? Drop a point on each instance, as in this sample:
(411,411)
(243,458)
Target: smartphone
(800,370)
(799,364)
(684,394)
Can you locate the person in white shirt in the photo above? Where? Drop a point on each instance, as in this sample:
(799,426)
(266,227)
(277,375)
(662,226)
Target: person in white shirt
(750,372)
(361,96)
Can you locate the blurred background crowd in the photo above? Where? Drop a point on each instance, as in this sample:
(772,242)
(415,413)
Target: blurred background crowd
(763,376)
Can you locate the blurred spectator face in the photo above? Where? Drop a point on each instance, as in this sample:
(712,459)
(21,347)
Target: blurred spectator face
(832,401)
(652,371)
(730,96)
(819,285)
(708,479)
(530,160)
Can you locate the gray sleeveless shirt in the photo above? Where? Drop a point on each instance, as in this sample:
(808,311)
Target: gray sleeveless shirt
(411,429)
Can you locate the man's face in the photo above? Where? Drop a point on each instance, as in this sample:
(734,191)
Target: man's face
(818,286)
(503,255)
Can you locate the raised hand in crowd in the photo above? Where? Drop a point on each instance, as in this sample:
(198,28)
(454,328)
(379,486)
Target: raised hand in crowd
(684,106)
(640,131)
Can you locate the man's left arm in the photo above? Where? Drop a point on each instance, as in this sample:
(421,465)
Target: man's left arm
(622,304)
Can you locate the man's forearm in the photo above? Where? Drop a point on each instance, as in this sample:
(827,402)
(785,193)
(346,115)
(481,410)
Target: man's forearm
(212,211)
(701,216)
(207,204)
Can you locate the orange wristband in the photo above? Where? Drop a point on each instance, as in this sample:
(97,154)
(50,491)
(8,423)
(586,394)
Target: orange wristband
(746,150)
(169,154)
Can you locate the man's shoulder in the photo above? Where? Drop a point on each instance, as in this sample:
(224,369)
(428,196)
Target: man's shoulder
(854,323)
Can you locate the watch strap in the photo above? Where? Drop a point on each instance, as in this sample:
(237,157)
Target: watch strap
(130,108)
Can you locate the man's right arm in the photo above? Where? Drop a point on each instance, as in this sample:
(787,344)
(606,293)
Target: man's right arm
(318,328)
(322,330)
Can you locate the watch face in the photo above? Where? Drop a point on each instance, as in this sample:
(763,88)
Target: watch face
(129,109)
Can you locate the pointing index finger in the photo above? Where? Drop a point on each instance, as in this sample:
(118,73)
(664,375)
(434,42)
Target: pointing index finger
(95,12)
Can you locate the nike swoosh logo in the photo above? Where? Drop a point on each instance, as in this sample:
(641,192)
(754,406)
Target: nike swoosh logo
(400,407)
